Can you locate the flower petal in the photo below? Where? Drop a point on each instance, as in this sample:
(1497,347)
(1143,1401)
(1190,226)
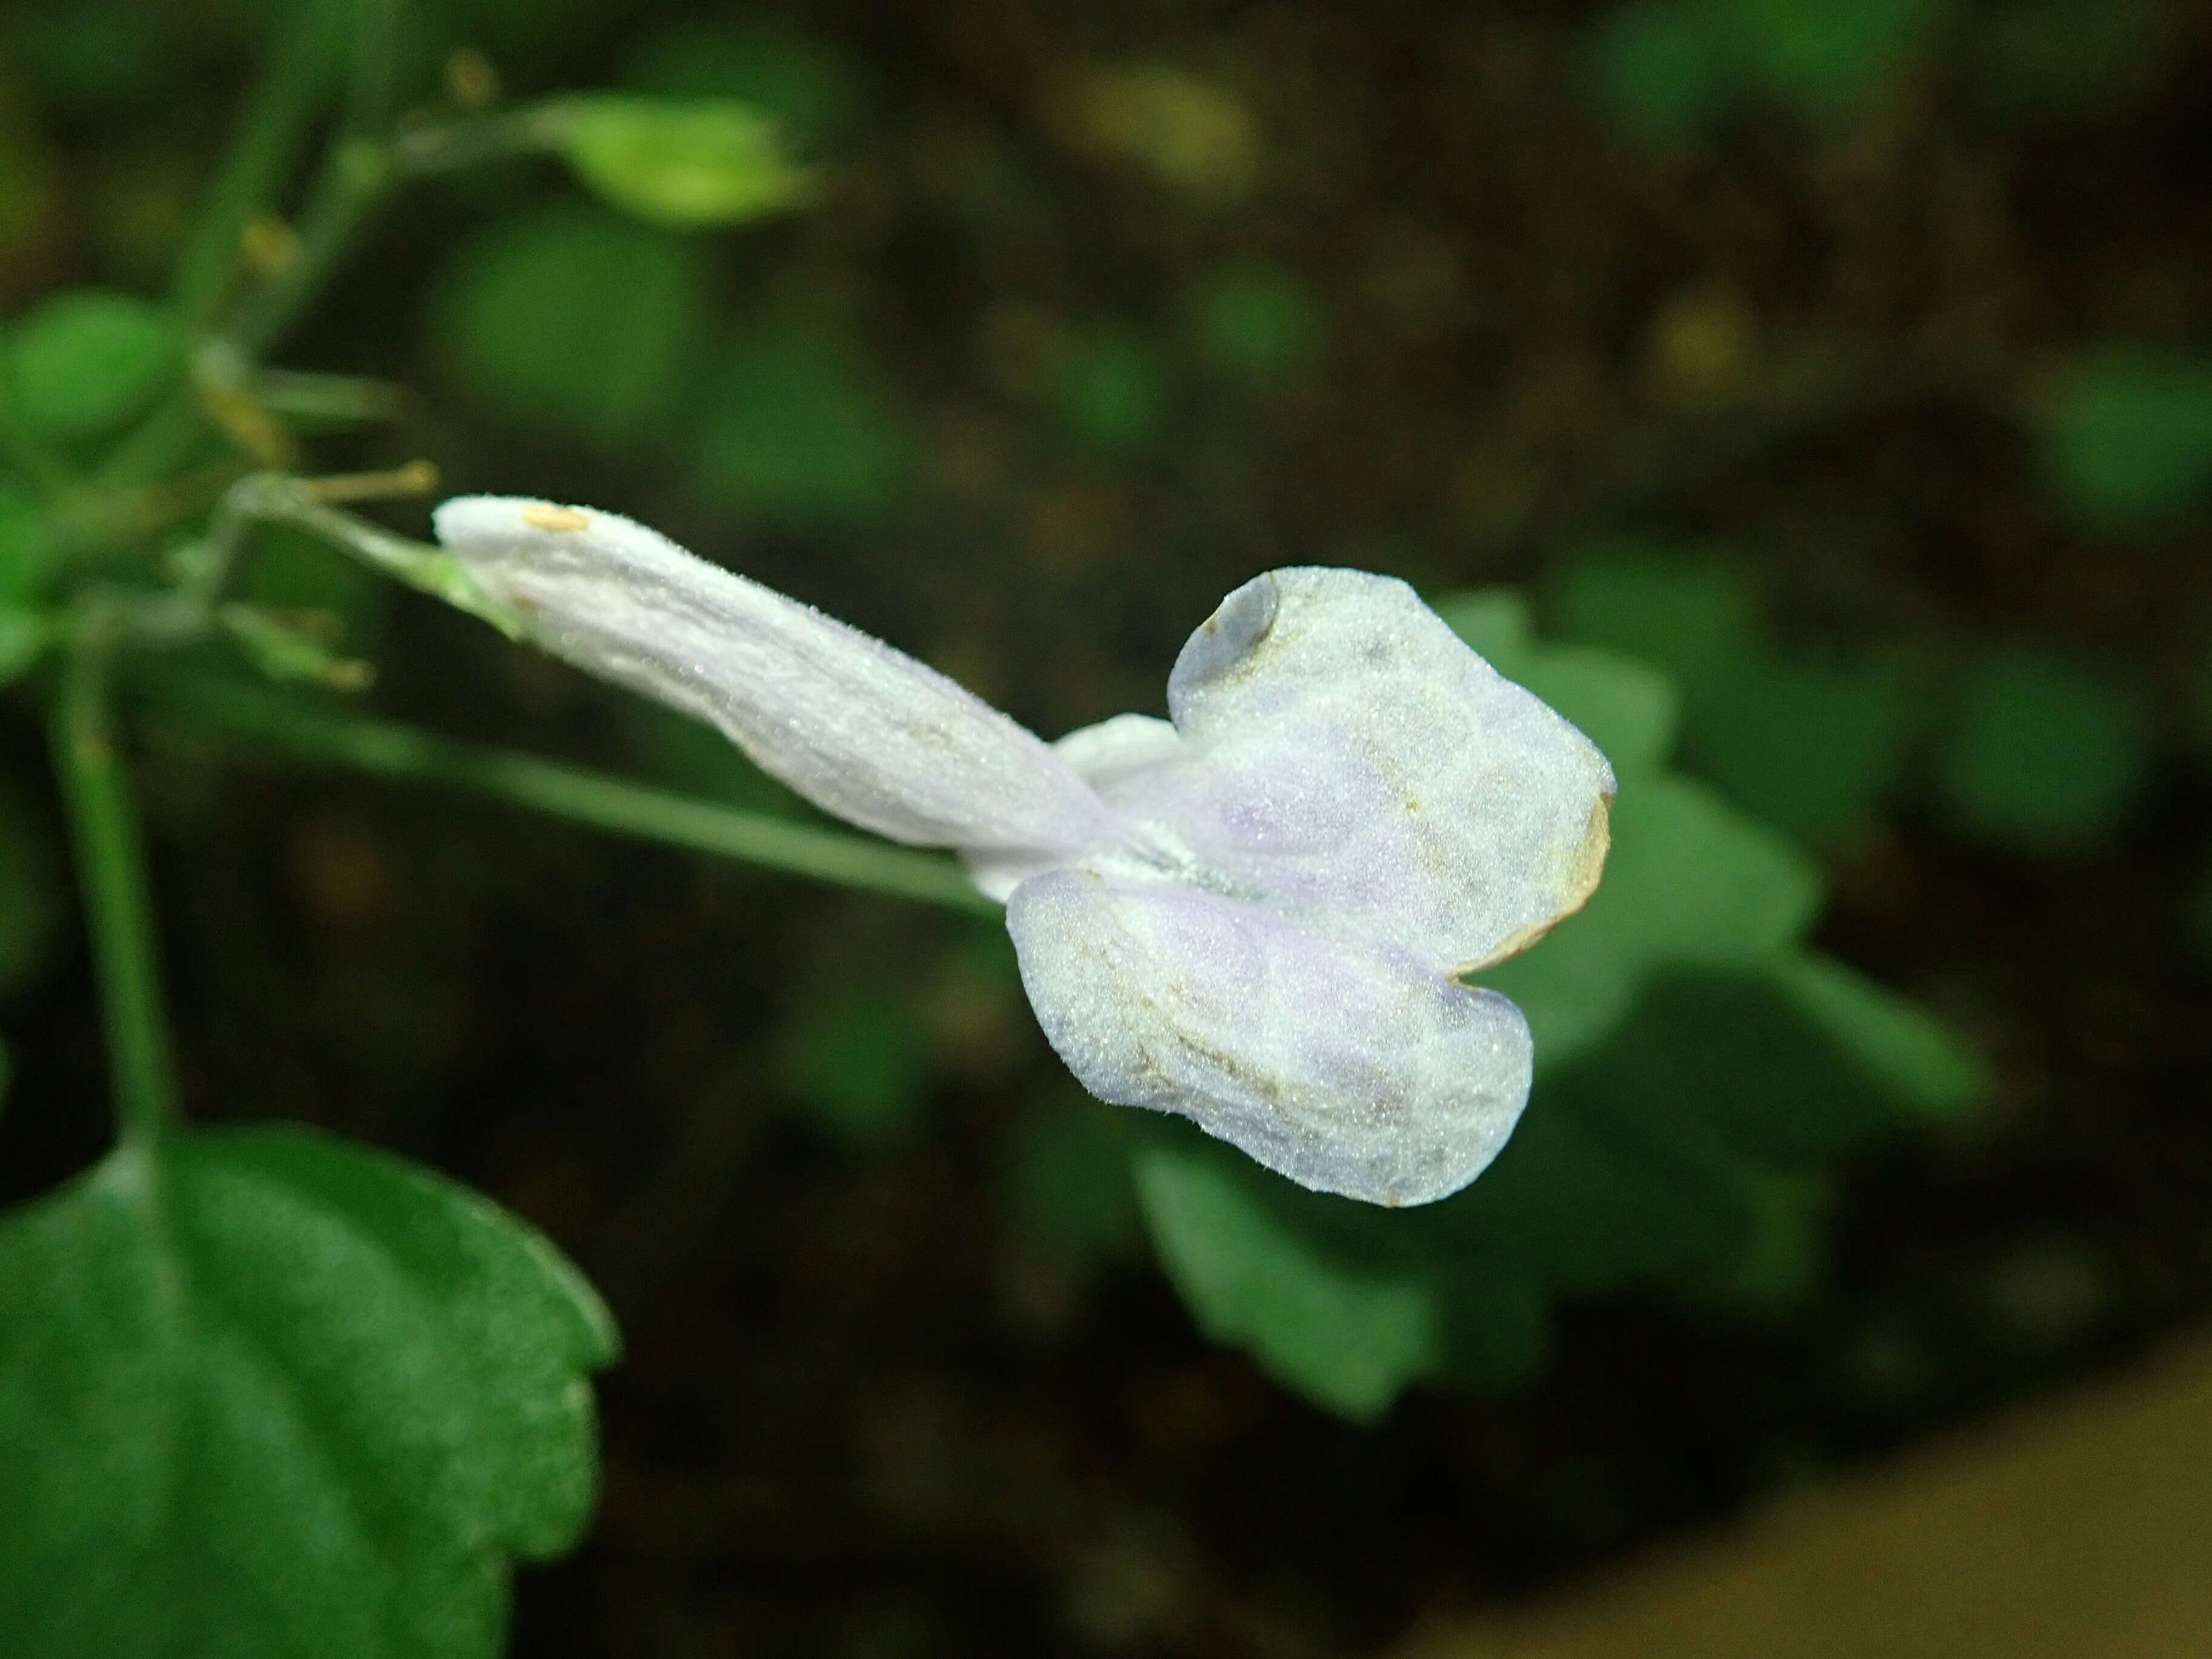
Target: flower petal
(1351,1069)
(858,728)
(1347,759)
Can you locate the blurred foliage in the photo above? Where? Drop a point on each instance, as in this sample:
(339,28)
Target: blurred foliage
(857,1066)
(522,322)
(1066,1184)
(683,164)
(1257,324)
(83,363)
(796,430)
(2044,754)
(1113,392)
(1815,746)
(806,88)
(2128,438)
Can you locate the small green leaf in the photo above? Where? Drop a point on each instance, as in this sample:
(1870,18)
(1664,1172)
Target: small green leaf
(1258,323)
(574,323)
(1812,748)
(292,647)
(791,77)
(1690,613)
(1657,74)
(25,540)
(24,637)
(87,361)
(683,163)
(1067,1184)
(2044,754)
(1918,1060)
(1113,392)
(858,1068)
(1348,1340)
(798,432)
(1822,57)
(264,1393)
(2128,438)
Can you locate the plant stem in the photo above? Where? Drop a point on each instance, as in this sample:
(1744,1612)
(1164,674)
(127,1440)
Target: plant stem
(388,749)
(117,903)
(266,145)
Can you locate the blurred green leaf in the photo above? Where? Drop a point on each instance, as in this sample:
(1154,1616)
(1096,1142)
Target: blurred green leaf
(791,77)
(85,361)
(286,570)
(1689,611)
(25,539)
(1822,57)
(1657,72)
(1812,748)
(694,759)
(1068,1184)
(1260,323)
(24,638)
(681,163)
(1346,1339)
(2044,754)
(2128,438)
(575,322)
(1497,622)
(1918,1061)
(262,1392)
(1113,392)
(91,56)
(798,432)
(857,1067)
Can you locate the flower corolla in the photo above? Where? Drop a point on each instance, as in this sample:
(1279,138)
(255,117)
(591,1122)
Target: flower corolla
(1256,913)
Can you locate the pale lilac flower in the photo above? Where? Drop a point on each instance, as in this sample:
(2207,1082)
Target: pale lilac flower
(1255,914)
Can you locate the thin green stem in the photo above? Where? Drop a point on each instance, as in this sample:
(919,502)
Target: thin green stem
(118,901)
(266,148)
(386,750)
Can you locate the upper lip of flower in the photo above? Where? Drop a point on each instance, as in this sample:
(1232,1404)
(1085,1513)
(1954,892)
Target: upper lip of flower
(1255,914)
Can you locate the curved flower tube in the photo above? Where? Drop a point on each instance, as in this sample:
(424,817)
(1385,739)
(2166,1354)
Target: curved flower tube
(1255,913)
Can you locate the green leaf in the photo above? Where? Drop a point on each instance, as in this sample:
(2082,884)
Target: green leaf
(2044,754)
(1497,622)
(25,541)
(24,637)
(683,163)
(1067,1184)
(1113,392)
(2127,441)
(1822,57)
(1657,73)
(1628,710)
(574,323)
(264,1393)
(1690,613)
(1918,1061)
(1812,748)
(1347,1339)
(798,432)
(85,361)
(857,1067)
(1259,323)
(787,75)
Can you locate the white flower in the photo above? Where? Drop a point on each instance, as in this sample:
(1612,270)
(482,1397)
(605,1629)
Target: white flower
(1255,915)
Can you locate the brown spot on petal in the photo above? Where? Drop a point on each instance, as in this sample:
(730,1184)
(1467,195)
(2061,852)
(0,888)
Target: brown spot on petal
(556,518)
(1586,866)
